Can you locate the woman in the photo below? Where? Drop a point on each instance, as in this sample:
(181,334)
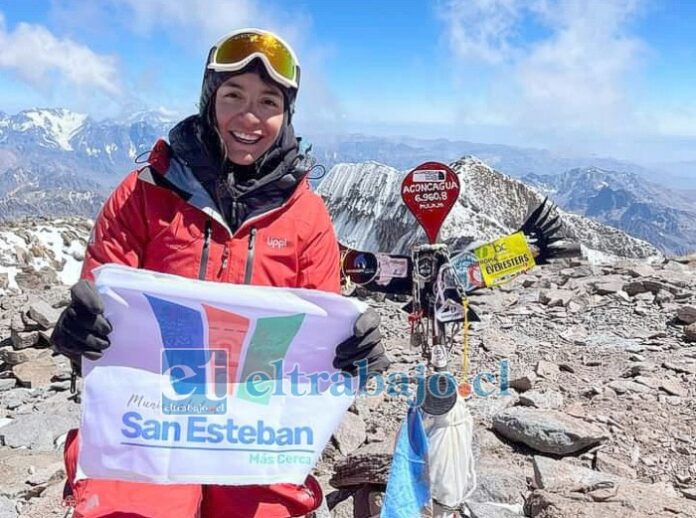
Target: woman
(227,200)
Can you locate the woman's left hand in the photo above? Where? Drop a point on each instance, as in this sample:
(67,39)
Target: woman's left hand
(364,345)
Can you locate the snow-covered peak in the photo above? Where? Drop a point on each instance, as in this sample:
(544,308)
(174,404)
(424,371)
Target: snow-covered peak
(156,117)
(56,125)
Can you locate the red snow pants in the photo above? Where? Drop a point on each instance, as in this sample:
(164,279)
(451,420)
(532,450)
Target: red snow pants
(93,498)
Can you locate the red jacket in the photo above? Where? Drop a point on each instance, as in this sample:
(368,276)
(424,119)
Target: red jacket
(148,223)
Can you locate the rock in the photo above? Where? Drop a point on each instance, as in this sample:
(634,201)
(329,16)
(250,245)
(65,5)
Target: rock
(38,431)
(545,400)
(35,373)
(498,343)
(654,286)
(557,298)
(15,398)
(674,388)
(548,431)
(7,384)
(653,383)
(634,288)
(609,287)
(8,509)
(645,297)
(523,383)
(479,510)
(543,504)
(635,348)
(641,270)
(29,279)
(611,340)
(576,410)
(16,468)
(575,335)
(45,315)
(50,505)
(663,297)
(499,481)
(24,340)
(622,387)
(486,407)
(651,499)
(680,368)
(548,370)
(687,314)
(29,323)
(11,357)
(343,509)
(689,492)
(367,501)
(690,332)
(59,386)
(608,464)
(369,464)
(487,445)
(17,323)
(638,368)
(351,433)
(47,475)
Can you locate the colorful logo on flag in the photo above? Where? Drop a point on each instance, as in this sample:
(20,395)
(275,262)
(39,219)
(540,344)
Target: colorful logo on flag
(208,359)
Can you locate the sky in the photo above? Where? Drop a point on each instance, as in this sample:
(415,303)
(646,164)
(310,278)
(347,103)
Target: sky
(601,77)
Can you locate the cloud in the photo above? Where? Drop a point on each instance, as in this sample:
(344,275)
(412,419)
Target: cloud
(206,19)
(36,55)
(481,29)
(573,70)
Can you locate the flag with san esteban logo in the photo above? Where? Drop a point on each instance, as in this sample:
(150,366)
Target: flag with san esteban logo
(202,377)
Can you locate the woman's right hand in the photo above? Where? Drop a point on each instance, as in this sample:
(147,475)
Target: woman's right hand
(82,329)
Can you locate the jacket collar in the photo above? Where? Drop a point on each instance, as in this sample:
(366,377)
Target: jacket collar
(166,169)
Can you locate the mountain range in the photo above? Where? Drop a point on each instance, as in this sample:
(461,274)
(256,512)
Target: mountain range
(54,162)
(365,205)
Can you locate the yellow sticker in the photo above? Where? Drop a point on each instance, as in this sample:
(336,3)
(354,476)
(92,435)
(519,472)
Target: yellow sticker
(504,259)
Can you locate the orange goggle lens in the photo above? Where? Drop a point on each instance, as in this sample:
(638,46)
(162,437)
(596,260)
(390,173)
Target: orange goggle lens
(235,49)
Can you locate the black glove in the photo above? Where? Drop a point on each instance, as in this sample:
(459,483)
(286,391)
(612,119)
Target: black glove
(542,232)
(363,345)
(82,329)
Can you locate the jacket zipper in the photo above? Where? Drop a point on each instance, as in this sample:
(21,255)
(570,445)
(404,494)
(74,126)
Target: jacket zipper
(223,265)
(206,249)
(250,256)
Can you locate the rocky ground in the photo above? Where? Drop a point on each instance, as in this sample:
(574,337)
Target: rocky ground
(598,421)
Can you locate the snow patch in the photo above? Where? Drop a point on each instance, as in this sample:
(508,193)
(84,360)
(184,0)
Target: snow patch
(59,245)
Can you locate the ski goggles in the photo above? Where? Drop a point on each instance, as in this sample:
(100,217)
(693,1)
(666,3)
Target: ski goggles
(236,50)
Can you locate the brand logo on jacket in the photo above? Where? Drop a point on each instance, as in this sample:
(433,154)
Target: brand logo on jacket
(277,242)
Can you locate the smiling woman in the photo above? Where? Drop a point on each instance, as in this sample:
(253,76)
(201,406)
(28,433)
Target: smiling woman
(226,200)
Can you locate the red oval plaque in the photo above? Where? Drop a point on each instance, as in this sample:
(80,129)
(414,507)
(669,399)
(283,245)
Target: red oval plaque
(429,192)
